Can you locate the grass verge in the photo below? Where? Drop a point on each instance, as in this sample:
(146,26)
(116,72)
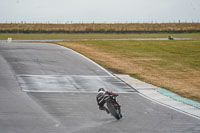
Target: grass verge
(43,36)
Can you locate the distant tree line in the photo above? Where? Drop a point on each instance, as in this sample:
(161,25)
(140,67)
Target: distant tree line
(101,28)
(98,31)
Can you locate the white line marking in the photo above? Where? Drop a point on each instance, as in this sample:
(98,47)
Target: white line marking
(80,92)
(28,75)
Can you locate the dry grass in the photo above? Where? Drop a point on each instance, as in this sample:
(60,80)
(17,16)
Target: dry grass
(178,77)
(103,27)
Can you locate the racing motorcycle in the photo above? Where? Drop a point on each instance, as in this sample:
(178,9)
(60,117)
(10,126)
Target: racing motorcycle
(113,107)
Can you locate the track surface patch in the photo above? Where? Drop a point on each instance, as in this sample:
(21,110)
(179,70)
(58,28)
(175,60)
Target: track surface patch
(71,83)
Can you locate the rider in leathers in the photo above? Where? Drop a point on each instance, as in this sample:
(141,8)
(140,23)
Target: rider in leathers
(100,98)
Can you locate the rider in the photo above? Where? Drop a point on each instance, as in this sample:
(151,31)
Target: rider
(100,98)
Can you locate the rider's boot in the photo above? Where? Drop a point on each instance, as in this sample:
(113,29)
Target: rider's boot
(120,111)
(107,111)
(120,115)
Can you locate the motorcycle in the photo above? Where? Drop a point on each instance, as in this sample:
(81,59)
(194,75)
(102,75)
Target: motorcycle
(113,107)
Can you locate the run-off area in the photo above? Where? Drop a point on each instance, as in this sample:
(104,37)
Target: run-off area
(71,83)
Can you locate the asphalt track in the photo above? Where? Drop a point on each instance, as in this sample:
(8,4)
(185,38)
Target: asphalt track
(45,88)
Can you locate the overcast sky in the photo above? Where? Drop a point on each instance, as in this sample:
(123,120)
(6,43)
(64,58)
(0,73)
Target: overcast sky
(109,11)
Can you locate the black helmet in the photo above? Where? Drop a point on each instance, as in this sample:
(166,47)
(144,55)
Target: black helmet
(101,89)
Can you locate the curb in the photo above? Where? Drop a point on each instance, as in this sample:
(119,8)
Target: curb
(179,98)
(163,96)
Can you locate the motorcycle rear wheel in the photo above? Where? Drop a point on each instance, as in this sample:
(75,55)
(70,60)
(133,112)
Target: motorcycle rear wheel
(113,110)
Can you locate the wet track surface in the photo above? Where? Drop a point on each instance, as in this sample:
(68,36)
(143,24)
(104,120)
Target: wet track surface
(45,88)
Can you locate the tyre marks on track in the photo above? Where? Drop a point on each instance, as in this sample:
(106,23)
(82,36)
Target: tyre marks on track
(71,83)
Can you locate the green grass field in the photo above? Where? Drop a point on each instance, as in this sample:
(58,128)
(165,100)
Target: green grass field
(21,36)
